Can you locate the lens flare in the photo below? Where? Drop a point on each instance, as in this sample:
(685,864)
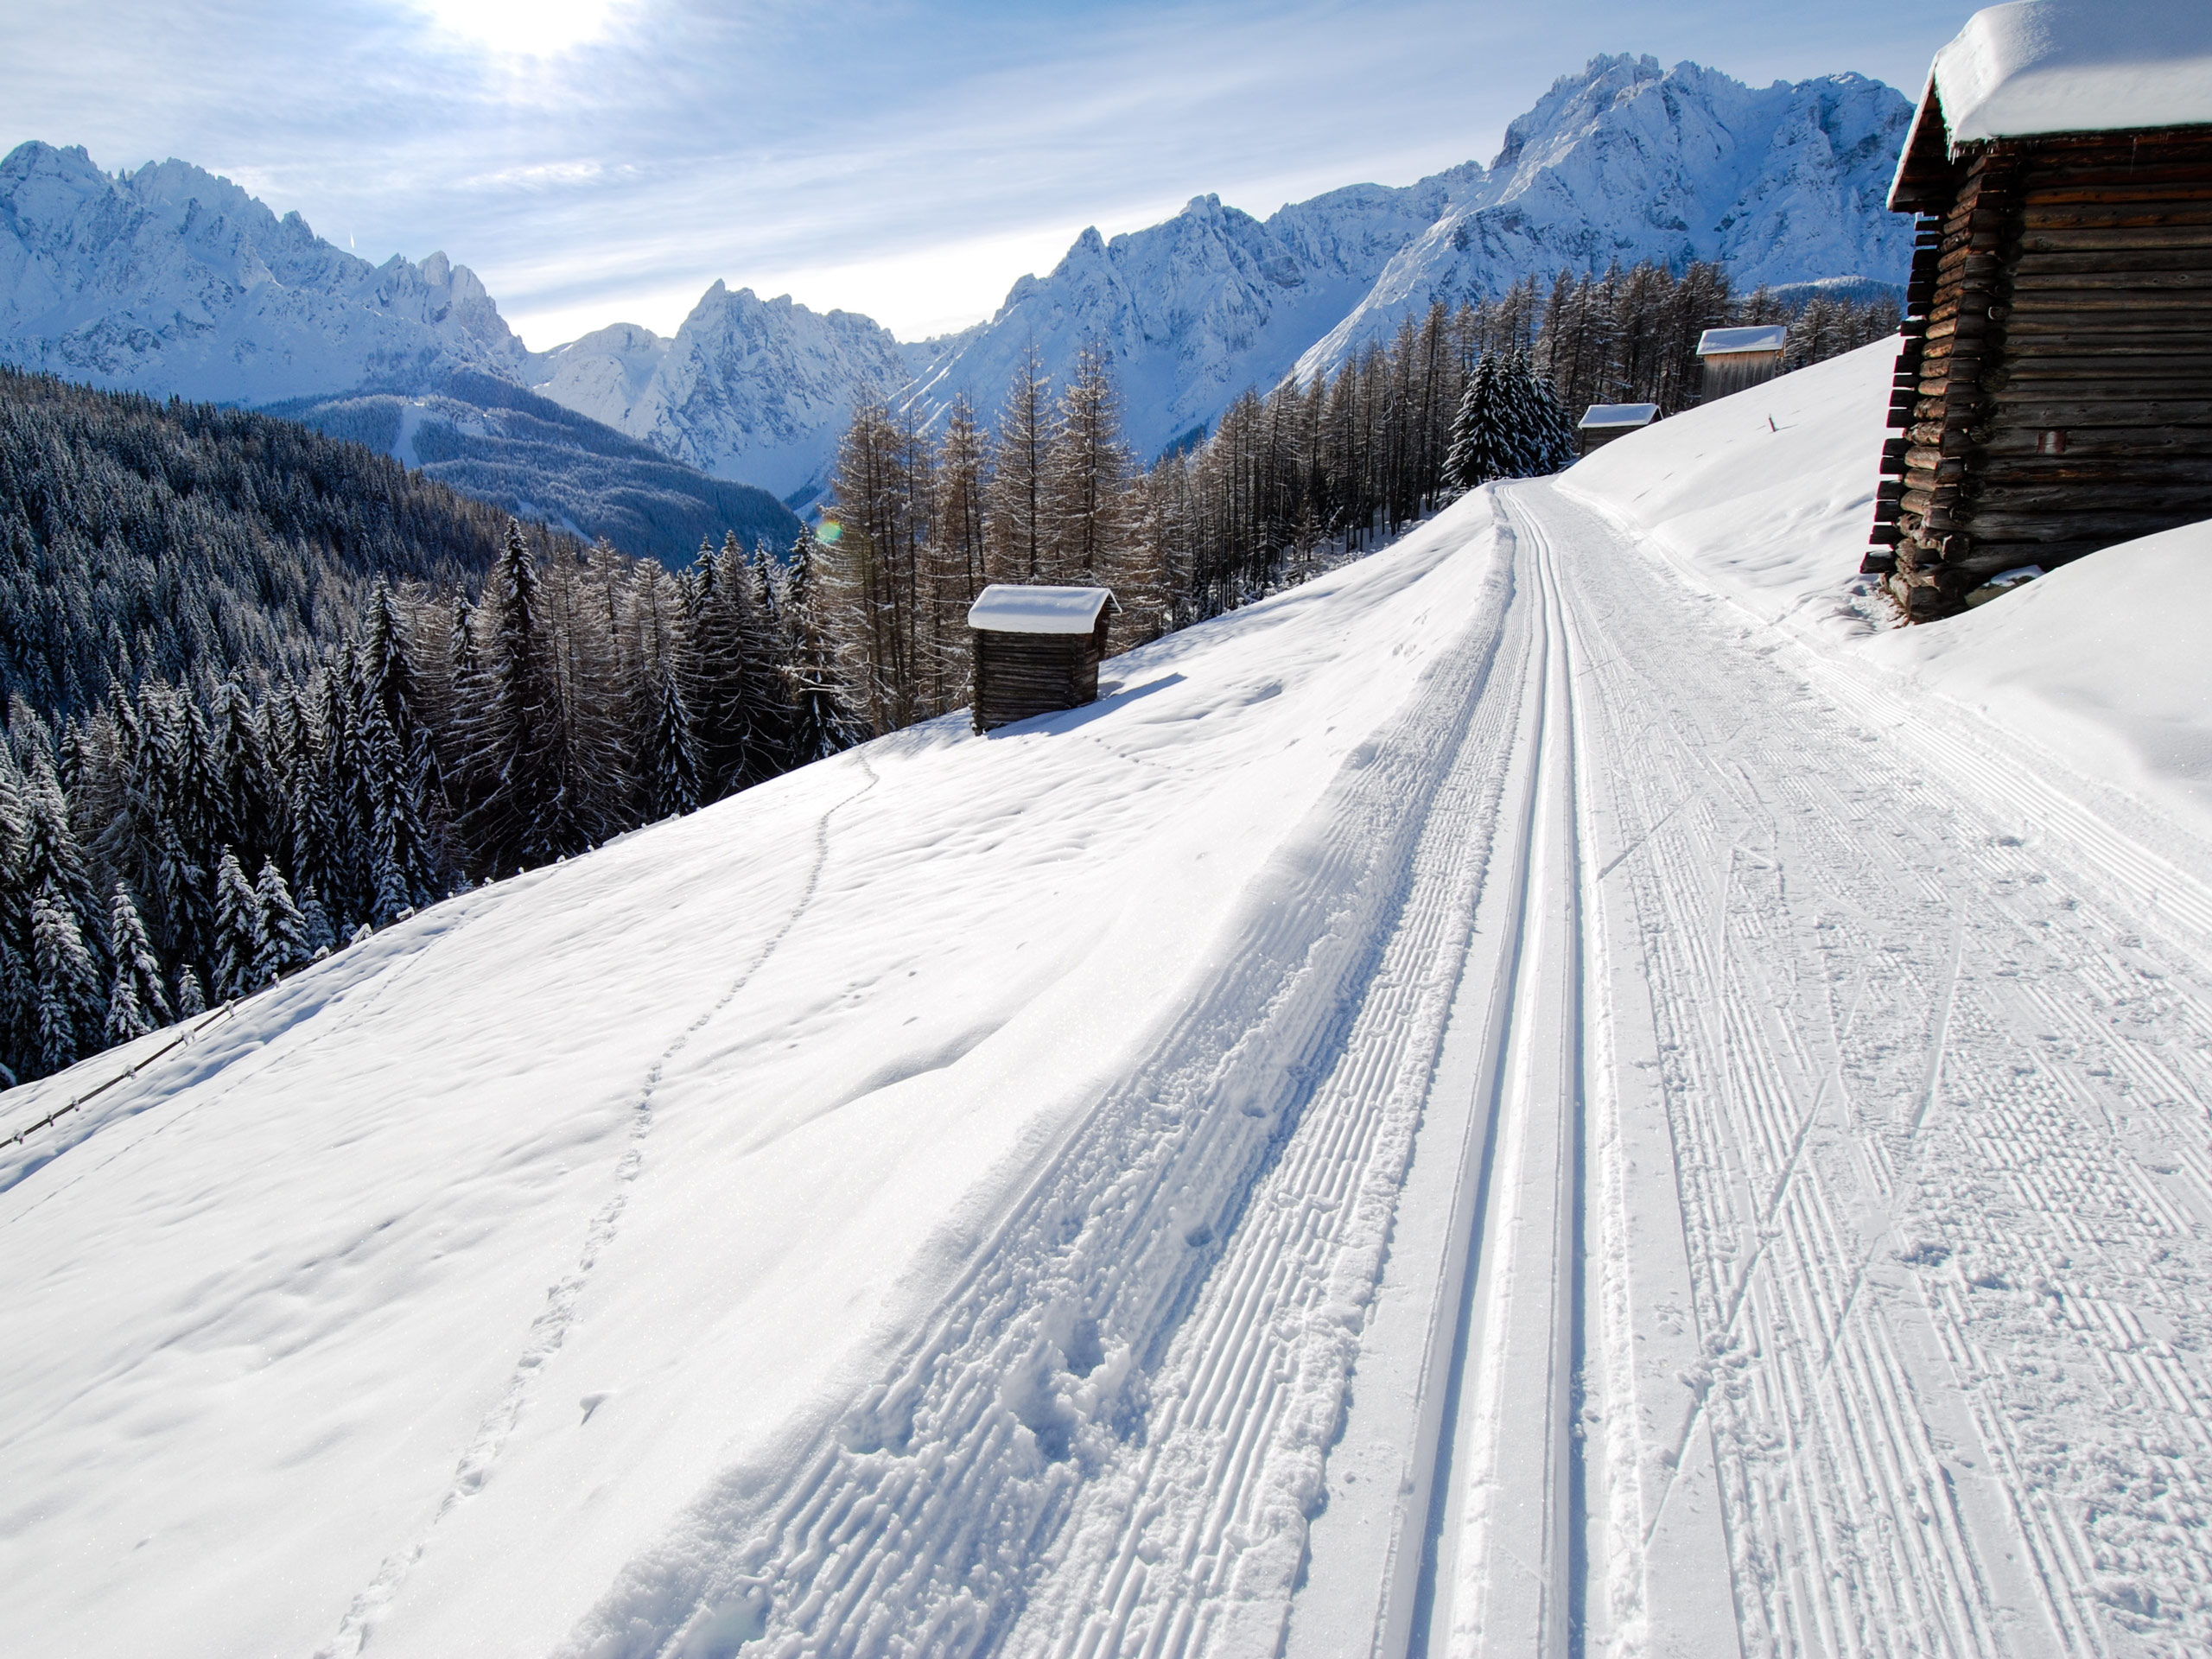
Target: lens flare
(831,530)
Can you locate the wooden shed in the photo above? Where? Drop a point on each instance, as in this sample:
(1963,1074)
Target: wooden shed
(1037,650)
(2054,388)
(1602,422)
(1736,359)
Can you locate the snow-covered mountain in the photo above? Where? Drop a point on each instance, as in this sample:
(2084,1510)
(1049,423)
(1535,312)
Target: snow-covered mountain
(1198,308)
(1624,161)
(172,280)
(749,389)
(1627,162)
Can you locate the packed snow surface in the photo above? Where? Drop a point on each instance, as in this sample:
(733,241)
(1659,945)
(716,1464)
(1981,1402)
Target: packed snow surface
(2076,66)
(1015,607)
(1561,1086)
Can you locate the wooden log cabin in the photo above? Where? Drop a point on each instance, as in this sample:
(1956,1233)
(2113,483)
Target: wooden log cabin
(1736,359)
(1037,650)
(2054,387)
(1602,422)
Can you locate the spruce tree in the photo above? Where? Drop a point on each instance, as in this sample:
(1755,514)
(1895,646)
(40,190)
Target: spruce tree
(315,931)
(671,759)
(519,760)
(137,1002)
(191,1000)
(823,724)
(239,927)
(280,937)
(68,980)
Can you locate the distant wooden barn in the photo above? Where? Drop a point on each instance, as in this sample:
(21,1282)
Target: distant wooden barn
(1737,359)
(1037,650)
(1602,422)
(2054,390)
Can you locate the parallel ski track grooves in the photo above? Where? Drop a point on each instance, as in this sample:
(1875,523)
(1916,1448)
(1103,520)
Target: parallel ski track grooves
(1886,1124)
(1510,1387)
(1198,1545)
(922,1526)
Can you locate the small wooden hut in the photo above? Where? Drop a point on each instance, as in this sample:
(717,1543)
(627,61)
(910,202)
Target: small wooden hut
(2054,388)
(1602,422)
(1737,358)
(1037,650)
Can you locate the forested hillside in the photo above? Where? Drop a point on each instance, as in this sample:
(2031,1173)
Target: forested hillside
(176,542)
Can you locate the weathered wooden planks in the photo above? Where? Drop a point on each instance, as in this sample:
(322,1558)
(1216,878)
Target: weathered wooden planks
(2053,392)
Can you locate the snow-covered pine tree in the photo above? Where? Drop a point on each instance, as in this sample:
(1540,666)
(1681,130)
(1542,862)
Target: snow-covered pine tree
(399,852)
(67,980)
(717,686)
(137,1002)
(236,942)
(239,759)
(18,998)
(1482,447)
(671,759)
(191,999)
(823,724)
(519,760)
(280,939)
(315,925)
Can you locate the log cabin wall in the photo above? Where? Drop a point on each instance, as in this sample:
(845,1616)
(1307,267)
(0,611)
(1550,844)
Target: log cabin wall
(1729,372)
(1019,674)
(2054,387)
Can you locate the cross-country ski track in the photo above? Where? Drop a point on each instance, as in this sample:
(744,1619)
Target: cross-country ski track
(1673,1147)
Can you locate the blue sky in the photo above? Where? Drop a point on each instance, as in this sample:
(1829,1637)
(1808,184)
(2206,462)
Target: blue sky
(597,161)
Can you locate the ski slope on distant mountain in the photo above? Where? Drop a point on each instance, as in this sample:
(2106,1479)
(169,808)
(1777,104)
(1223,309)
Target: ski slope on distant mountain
(1508,1100)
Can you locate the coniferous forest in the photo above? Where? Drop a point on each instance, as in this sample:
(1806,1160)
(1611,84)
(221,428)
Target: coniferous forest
(266,690)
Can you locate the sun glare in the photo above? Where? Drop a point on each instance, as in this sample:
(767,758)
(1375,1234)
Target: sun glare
(524,27)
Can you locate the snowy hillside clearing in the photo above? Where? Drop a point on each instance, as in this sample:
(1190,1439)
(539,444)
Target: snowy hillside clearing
(1490,1103)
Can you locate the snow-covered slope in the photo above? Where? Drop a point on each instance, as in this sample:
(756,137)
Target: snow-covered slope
(560,1209)
(1767,496)
(1627,161)
(171,280)
(1501,1024)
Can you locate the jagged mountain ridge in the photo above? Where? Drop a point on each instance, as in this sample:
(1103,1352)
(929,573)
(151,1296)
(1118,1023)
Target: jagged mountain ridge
(1624,161)
(168,280)
(1783,185)
(171,280)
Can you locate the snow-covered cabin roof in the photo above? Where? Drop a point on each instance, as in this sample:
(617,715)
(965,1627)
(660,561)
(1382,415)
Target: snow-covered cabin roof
(1015,607)
(1726,342)
(1618,415)
(2041,66)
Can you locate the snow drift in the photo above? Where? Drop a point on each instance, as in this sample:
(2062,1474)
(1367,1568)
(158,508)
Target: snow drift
(1767,496)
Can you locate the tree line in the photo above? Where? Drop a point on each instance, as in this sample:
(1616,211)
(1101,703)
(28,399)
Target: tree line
(181,843)
(923,517)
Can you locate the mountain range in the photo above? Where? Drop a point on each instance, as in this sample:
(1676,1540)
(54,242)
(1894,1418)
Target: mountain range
(169,280)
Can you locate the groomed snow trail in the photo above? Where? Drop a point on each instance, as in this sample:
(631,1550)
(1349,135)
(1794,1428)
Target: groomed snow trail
(1667,1162)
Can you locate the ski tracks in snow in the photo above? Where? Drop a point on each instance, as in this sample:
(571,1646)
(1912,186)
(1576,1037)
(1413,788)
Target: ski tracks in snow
(551,1328)
(1935,1089)
(1130,1393)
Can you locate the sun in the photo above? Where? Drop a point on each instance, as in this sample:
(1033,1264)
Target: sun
(524,27)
